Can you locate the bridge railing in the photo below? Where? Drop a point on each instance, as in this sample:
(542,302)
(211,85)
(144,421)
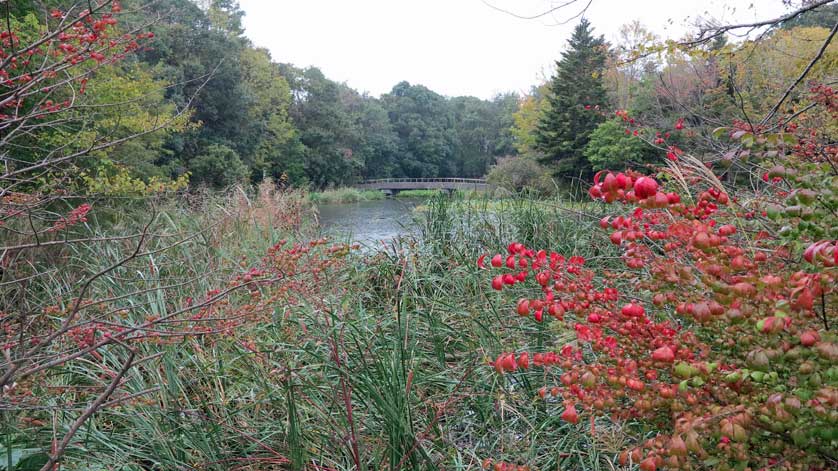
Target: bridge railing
(423,180)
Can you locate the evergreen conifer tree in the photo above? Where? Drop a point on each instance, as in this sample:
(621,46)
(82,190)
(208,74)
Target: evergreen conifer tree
(575,91)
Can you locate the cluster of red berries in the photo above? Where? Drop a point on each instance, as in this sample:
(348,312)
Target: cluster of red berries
(76,216)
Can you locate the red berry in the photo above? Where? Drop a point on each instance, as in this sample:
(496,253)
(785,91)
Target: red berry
(664,354)
(809,338)
(570,414)
(523,307)
(497,282)
(497,261)
(645,187)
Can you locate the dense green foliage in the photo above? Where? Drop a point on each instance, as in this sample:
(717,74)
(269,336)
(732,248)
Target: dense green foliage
(237,114)
(824,16)
(517,174)
(662,85)
(252,117)
(611,147)
(344,195)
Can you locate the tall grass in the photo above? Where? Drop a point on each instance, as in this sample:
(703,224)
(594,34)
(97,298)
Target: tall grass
(418,193)
(469,226)
(386,368)
(353,195)
(345,195)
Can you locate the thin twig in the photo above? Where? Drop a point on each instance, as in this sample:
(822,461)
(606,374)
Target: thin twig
(803,74)
(58,452)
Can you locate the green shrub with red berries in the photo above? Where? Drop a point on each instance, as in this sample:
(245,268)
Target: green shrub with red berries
(717,335)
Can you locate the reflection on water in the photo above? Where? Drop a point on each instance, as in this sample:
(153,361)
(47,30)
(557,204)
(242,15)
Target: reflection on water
(369,222)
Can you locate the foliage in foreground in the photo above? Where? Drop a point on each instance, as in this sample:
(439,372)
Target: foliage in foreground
(386,350)
(716,337)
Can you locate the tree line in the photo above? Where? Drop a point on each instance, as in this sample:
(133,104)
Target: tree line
(232,113)
(237,114)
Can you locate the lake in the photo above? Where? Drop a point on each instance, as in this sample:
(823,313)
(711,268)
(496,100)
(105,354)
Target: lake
(369,222)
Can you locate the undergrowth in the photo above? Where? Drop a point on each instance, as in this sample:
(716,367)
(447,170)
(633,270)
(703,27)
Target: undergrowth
(379,364)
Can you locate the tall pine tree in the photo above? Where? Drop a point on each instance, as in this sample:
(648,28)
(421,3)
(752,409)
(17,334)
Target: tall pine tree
(565,126)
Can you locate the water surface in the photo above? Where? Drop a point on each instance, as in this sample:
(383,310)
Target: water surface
(369,222)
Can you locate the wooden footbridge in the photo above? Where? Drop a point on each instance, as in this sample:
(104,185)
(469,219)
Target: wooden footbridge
(395,185)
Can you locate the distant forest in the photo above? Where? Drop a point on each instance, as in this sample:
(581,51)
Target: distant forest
(251,117)
(236,114)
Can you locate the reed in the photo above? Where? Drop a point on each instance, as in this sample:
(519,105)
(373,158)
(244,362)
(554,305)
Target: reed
(384,368)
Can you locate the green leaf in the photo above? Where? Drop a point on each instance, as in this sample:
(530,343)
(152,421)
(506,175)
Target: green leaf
(719,132)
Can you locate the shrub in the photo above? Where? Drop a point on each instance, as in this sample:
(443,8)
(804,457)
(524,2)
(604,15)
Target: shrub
(219,166)
(614,146)
(519,173)
(715,337)
(418,193)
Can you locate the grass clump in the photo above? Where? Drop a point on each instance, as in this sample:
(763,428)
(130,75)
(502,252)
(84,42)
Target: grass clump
(418,193)
(462,194)
(352,195)
(344,195)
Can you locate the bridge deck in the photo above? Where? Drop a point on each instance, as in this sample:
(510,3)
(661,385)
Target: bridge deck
(398,184)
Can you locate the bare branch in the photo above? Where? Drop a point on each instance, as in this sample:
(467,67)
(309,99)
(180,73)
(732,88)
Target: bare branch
(531,17)
(711,32)
(803,74)
(91,409)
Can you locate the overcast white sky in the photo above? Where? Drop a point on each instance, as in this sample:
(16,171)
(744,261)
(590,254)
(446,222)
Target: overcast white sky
(456,47)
